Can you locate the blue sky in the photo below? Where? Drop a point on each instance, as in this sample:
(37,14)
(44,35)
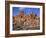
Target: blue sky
(16,10)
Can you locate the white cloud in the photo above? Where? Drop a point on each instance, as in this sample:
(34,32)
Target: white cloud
(21,8)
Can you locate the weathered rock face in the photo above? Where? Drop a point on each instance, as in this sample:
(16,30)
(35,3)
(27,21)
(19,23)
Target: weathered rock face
(26,22)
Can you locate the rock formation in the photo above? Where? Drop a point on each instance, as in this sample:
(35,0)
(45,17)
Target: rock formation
(25,22)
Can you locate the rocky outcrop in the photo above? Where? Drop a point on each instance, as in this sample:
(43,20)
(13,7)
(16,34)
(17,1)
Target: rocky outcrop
(26,22)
